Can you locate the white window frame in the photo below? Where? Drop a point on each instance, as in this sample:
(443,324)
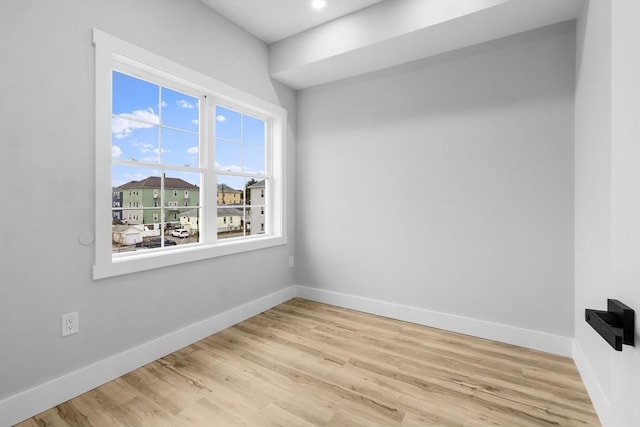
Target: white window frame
(110,53)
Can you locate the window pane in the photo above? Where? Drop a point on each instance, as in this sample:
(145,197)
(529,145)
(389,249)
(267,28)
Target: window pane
(230,190)
(138,210)
(183,225)
(257,213)
(253,160)
(134,118)
(253,131)
(240,142)
(128,231)
(231,222)
(228,124)
(256,195)
(189,221)
(179,148)
(182,192)
(131,95)
(179,110)
(140,144)
(228,156)
(257,219)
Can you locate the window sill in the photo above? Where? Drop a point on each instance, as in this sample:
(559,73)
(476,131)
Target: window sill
(165,258)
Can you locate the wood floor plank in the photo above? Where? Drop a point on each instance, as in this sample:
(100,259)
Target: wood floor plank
(497,381)
(308,364)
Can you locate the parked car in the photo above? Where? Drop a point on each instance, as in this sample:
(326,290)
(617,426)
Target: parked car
(154,243)
(167,242)
(180,233)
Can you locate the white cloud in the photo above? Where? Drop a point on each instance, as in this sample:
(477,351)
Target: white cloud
(116,151)
(151,151)
(163,104)
(192,150)
(221,118)
(144,147)
(231,168)
(124,124)
(195,121)
(128,177)
(184,104)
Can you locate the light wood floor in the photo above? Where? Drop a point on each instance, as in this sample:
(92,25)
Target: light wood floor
(308,364)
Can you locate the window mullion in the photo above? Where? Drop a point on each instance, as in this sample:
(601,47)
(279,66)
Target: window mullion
(160,124)
(209,194)
(162,212)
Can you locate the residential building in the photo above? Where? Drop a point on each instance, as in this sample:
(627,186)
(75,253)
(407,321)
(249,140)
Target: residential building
(228,195)
(139,198)
(128,234)
(230,220)
(190,220)
(257,211)
(116,201)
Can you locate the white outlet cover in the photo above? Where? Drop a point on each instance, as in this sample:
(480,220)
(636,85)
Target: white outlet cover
(70,323)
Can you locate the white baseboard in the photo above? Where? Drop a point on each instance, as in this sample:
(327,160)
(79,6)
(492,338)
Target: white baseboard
(23,405)
(44,396)
(594,388)
(536,340)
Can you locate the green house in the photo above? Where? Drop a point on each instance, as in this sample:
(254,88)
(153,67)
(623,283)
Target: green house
(142,200)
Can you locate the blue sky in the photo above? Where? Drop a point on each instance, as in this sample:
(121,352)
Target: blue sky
(146,117)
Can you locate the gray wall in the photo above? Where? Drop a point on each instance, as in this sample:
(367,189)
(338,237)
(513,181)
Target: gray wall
(47,175)
(446,184)
(607,201)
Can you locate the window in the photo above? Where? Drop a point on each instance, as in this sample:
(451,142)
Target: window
(185,150)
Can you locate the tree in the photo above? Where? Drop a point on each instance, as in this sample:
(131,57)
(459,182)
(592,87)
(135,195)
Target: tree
(247,192)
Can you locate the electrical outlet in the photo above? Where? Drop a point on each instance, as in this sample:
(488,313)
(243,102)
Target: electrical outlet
(291,261)
(70,323)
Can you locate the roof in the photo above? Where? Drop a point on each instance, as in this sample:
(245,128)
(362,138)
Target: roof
(127,229)
(154,182)
(221,212)
(229,212)
(224,188)
(190,212)
(259,184)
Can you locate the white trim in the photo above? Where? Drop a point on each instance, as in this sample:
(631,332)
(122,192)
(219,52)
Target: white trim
(110,53)
(594,388)
(529,338)
(21,406)
(197,252)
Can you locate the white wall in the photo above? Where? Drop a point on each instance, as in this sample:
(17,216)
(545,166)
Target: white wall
(47,175)
(607,182)
(474,149)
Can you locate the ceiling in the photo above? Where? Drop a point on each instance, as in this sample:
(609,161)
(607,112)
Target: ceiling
(273,20)
(309,47)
